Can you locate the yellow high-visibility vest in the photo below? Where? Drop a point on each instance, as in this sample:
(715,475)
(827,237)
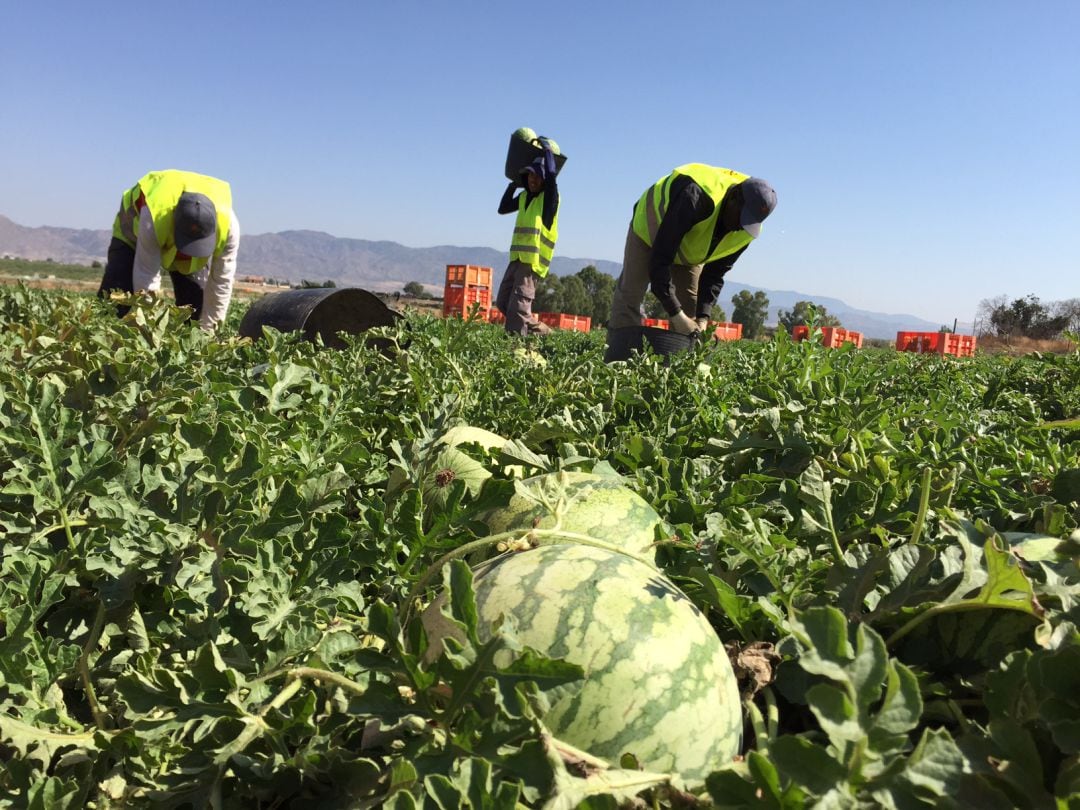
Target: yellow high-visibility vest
(534,244)
(161,192)
(694,247)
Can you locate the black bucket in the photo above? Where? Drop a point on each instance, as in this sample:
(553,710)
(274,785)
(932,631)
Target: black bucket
(323,311)
(621,343)
(521,153)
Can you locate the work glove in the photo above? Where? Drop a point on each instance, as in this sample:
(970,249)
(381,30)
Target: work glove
(682,323)
(702,322)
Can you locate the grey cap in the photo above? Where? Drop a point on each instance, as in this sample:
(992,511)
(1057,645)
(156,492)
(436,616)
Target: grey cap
(195,225)
(759,200)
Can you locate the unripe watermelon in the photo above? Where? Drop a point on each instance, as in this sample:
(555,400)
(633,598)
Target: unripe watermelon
(580,503)
(525,134)
(657,683)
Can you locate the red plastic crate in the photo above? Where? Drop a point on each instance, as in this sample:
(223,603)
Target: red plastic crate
(831,336)
(459,300)
(960,345)
(559,320)
(728,331)
(656,323)
(495,316)
(468,275)
(936,343)
(919,342)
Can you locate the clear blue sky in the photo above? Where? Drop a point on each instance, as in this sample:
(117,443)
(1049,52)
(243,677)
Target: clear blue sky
(926,155)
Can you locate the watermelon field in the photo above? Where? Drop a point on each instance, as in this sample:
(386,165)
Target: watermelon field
(446,568)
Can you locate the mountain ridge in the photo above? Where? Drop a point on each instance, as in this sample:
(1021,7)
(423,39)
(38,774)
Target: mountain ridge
(386,266)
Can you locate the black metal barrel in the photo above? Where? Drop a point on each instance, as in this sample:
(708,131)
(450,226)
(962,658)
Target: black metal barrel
(323,311)
(621,343)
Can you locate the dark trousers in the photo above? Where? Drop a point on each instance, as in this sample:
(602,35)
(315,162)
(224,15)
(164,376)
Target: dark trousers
(120,275)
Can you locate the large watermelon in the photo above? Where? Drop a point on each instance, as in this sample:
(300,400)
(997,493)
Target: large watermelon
(578,503)
(657,684)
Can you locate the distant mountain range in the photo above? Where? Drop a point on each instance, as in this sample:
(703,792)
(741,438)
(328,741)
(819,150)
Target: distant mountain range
(387,266)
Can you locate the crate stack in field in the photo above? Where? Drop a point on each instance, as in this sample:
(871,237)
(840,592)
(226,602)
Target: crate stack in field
(560,320)
(832,337)
(722,330)
(936,343)
(467,285)
(728,331)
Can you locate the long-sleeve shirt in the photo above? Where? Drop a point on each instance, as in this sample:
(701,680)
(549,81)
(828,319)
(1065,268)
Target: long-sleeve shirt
(509,203)
(689,205)
(216,279)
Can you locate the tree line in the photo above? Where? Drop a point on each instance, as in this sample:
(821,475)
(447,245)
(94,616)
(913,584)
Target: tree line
(1028,317)
(589,292)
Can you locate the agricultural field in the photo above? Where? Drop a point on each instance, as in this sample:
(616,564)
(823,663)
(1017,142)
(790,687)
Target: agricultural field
(274,575)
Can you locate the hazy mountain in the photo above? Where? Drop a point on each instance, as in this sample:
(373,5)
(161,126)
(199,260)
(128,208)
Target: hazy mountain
(387,266)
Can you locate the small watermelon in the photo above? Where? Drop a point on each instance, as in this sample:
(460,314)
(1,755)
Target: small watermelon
(526,134)
(658,683)
(597,506)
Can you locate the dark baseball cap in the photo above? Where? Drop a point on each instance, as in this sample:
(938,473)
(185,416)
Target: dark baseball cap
(195,225)
(759,200)
(536,167)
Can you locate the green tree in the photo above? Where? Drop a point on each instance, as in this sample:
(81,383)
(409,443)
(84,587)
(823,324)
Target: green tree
(549,294)
(717,314)
(750,310)
(600,288)
(575,297)
(1027,317)
(415,289)
(806,313)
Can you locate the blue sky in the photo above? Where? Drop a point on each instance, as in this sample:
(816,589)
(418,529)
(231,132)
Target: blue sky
(925,154)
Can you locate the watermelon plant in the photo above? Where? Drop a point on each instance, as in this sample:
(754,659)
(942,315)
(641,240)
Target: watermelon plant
(579,507)
(211,552)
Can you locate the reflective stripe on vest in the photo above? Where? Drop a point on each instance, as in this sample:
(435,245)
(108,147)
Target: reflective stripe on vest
(694,247)
(160,191)
(533,244)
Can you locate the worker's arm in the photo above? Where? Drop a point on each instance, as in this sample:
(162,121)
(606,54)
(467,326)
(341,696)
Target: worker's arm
(551,187)
(219,283)
(509,204)
(712,282)
(689,205)
(146,272)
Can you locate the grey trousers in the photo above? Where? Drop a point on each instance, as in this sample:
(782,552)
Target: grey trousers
(633,283)
(514,300)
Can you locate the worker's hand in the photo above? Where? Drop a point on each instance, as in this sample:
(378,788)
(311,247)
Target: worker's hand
(682,323)
(702,322)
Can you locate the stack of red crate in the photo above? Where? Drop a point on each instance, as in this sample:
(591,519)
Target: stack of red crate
(831,336)
(467,285)
(936,343)
(560,320)
(728,331)
(723,331)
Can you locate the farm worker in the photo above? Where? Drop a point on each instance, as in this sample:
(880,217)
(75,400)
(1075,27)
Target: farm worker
(687,230)
(535,232)
(184,223)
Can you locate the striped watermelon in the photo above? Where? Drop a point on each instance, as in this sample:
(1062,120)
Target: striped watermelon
(597,506)
(657,684)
